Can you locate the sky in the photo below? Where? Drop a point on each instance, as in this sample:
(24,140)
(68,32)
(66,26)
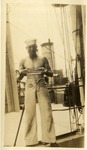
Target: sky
(39,21)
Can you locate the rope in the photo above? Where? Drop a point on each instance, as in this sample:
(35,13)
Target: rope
(59,26)
(63,39)
(46,16)
(61,36)
(11,11)
(51,17)
(68,44)
(20,30)
(76,120)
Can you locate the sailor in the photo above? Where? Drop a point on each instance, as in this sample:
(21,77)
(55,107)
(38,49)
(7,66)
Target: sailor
(35,67)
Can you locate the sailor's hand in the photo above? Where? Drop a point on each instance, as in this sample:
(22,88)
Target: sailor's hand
(20,77)
(24,72)
(55,75)
(80,110)
(41,69)
(47,73)
(44,72)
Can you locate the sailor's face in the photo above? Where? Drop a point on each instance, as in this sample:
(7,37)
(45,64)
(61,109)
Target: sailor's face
(32,50)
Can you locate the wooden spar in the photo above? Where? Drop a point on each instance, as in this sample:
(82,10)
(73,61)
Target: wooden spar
(80,34)
(9,97)
(11,84)
(80,57)
(80,49)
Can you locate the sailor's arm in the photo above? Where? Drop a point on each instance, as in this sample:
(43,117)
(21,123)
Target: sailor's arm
(21,66)
(22,70)
(48,71)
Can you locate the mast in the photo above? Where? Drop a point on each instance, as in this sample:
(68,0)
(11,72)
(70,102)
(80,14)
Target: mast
(11,84)
(77,25)
(79,45)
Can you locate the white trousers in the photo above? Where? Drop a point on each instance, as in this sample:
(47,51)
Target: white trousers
(39,91)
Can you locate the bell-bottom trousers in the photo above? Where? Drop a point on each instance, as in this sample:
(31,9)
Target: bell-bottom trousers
(40,92)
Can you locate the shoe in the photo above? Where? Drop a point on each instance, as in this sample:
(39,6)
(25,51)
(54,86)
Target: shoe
(54,145)
(31,145)
(44,144)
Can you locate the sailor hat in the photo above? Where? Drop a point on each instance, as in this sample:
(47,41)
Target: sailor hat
(30,42)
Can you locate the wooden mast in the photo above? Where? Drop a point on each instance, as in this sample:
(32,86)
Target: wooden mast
(11,84)
(80,47)
(80,51)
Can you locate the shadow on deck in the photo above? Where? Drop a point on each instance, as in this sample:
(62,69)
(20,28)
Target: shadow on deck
(73,140)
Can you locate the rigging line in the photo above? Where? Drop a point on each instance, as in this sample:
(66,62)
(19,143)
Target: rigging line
(37,42)
(63,36)
(62,56)
(58,25)
(74,116)
(74,34)
(77,117)
(67,33)
(52,35)
(68,44)
(20,30)
(46,16)
(76,120)
(74,38)
(70,117)
(74,44)
(51,25)
(60,31)
(69,17)
(11,11)
(51,17)
(71,34)
(16,57)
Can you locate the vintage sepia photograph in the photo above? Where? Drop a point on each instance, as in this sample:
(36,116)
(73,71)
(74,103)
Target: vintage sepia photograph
(44,102)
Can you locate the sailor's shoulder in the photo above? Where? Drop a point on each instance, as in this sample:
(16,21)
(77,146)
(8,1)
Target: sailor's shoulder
(23,60)
(42,58)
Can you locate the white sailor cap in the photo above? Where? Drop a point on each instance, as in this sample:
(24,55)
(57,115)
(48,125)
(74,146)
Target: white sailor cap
(30,42)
